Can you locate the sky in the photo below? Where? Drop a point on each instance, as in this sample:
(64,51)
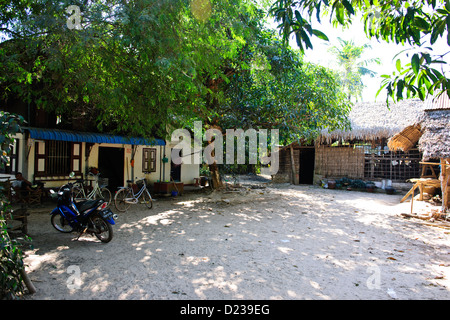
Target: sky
(386,52)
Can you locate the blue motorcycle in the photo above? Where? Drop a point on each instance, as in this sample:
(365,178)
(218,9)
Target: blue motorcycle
(91,216)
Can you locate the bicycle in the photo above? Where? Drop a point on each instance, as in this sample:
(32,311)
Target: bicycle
(97,192)
(125,197)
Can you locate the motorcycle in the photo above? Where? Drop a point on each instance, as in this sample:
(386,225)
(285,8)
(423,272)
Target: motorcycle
(90,216)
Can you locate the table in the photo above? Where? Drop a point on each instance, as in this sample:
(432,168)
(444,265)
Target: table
(421,183)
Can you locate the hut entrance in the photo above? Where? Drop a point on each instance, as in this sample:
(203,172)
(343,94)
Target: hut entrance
(307,158)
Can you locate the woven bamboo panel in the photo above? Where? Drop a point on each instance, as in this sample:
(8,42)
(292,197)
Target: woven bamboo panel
(340,162)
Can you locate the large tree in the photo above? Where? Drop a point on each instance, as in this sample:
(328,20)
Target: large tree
(139,67)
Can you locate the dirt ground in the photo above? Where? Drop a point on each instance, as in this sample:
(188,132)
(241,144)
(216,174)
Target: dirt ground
(274,242)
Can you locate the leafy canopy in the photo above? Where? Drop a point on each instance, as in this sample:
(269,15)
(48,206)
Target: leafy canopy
(136,67)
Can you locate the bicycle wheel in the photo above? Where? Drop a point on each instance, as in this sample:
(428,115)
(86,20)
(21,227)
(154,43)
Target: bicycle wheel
(121,196)
(105,194)
(147,198)
(78,193)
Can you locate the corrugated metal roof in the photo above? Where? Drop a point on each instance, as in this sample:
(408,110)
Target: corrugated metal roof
(441,102)
(72,136)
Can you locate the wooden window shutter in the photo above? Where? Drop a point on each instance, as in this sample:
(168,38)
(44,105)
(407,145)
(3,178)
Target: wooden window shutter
(149,160)
(145,158)
(40,158)
(152,160)
(75,160)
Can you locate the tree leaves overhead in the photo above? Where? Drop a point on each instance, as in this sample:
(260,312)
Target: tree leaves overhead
(136,67)
(420,23)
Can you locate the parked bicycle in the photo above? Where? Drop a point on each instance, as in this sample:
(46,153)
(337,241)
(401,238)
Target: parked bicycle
(126,196)
(99,191)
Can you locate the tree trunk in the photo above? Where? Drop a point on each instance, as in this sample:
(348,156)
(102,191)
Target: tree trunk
(216,181)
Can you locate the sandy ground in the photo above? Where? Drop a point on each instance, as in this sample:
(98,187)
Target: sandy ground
(280,242)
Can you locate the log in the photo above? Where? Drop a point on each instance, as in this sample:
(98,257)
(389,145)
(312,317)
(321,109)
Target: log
(292,164)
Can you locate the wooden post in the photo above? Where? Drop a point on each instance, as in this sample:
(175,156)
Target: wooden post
(445,177)
(292,164)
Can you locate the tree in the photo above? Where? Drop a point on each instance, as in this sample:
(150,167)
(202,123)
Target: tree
(274,89)
(352,67)
(139,67)
(416,22)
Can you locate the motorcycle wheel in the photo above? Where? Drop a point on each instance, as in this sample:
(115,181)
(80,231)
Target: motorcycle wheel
(61,224)
(120,199)
(104,231)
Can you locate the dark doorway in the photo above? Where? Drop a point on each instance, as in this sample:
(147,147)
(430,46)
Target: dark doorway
(110,165)
(175,169)
(307,157)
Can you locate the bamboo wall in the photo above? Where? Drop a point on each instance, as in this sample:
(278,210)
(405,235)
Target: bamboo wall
(284,173)
(336,162)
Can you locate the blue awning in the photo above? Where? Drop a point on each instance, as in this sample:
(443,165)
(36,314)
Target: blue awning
(72,136)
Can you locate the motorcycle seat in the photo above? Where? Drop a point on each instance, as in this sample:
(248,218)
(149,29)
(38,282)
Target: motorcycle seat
(88,204)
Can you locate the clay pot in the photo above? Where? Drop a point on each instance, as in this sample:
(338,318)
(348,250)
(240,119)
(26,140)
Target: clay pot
(331,184)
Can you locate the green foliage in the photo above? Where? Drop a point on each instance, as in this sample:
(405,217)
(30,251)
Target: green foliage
(11,262)
(136,67)
(415,22)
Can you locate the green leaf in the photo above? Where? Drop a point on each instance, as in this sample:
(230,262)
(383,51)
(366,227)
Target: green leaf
(400,86)
(447,19)
(398,65)
(415,63)
(320,34)
(306,39)
(421,23)
(348,6)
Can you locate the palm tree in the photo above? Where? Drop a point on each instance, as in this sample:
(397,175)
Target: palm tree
(352,66)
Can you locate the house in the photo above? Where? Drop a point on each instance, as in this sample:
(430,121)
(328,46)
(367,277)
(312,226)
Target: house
(51,147)
(49,155)
(360,153)
(432,133)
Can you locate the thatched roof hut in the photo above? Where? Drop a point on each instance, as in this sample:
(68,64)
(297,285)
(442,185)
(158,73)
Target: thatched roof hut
(431,129)
(435,141)
(376,120)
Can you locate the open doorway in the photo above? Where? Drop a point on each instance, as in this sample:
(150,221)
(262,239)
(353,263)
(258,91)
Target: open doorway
(110,165)
(307,158)
(175,169)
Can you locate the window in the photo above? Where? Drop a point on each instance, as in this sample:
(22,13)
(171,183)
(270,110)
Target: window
(149,160)
(398,166)
(57,158)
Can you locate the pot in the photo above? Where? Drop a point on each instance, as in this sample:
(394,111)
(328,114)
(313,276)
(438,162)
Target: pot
(390,190)
(370,187)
